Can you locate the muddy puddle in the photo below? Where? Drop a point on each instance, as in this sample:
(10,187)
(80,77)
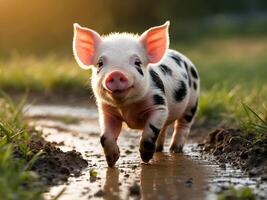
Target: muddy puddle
(169,176)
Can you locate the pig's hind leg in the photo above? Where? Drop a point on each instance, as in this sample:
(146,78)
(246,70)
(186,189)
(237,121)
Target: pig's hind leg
(182,128)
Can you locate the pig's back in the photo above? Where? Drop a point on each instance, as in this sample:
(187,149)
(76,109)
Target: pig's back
(181,83)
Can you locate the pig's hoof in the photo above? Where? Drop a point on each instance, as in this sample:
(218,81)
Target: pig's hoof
(112,159)
(159,148)
(147,150)
(176,148)
(146,156)
(112,153)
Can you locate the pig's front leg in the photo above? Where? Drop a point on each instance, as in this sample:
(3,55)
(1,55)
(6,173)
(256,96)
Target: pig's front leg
(155,123)
(110,128)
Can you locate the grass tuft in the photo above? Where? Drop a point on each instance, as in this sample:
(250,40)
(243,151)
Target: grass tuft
(42,74)
(244,193)
(255,123)
(217,105)
(15,181)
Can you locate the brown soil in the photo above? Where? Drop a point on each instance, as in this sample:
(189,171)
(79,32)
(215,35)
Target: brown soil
(168,176)
(53,165)
(239,149)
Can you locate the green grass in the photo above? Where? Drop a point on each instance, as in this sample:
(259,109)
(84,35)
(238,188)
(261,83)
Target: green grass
(45,74)
(230,62)
(232,70)
(16,181)
(244,193)
(255,123)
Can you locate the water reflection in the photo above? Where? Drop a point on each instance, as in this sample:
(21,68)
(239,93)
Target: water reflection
(111,187)
(169,176)
(173,176)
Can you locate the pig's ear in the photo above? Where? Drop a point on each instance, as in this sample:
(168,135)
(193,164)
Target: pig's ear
(156,42)
(85,42)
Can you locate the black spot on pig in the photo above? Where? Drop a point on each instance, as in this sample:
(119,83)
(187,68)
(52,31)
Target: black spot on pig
(180,92)
(140,71)
(195,85)
(186,66)
(149,145)
(102,140)
(147,155)
(189,77)
(184,75)
(189,116)
(194,73)
(156,131)
(98,70)
(189,82)
(157,81)
(165,69)
(194,109)
(177,59)
(158,100)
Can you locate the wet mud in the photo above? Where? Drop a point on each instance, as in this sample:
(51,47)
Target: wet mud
(54,165)
(190,175)
(240,149)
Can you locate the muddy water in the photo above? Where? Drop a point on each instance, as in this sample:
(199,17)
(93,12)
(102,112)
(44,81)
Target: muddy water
(168,176)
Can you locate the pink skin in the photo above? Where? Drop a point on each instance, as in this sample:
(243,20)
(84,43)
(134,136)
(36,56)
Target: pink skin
(111,127)
(116,81)
(110,87)
(117,84)
(136,116)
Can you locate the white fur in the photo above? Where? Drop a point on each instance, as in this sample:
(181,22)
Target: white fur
(138,110)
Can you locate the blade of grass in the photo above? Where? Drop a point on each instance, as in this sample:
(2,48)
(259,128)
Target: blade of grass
(254,113)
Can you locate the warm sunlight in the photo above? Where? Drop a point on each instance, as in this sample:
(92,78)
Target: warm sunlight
(133,99)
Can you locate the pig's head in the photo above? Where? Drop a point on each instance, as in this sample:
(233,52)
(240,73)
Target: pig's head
(119,61)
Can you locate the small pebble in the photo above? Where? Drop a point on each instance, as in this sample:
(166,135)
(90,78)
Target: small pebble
(264,177)
(222,165)
(135,190)
(189,182)
(128,152)
(99,193)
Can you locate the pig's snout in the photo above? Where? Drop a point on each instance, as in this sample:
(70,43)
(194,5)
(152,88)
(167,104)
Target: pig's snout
(116,81)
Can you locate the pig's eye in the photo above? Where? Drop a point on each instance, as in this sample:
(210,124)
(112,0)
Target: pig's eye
(99,63)
(138,62)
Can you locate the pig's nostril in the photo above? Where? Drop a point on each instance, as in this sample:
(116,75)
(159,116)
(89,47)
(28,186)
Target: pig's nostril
(116,81)
(110,80)
(122,79)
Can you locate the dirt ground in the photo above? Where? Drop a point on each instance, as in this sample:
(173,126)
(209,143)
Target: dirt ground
(54,165)
(235,147)
(72,135)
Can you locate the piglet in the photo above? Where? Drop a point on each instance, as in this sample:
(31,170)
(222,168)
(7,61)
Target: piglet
(140,81)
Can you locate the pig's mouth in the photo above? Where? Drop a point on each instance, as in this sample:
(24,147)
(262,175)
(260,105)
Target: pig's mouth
(119,94)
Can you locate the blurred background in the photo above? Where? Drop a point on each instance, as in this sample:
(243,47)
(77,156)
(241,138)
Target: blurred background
(45,26)
(227,41)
